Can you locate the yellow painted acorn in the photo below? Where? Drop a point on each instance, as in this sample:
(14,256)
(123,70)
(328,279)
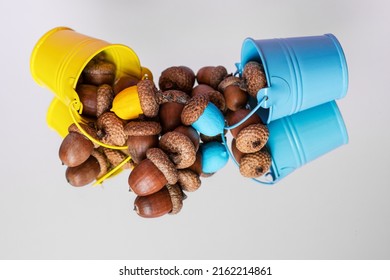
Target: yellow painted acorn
(136,100)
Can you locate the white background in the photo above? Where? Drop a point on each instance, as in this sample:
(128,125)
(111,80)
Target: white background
(336,207)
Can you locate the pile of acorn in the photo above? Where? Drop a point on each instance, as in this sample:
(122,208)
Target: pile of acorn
(168,138)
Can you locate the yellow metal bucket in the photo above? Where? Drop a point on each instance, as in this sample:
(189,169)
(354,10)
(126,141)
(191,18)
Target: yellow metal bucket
(60,56)
(57,62)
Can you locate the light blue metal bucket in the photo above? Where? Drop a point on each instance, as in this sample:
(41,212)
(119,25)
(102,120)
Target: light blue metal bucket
(300,138)
(301,73)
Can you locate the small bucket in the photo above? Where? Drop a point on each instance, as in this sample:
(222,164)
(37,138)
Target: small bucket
(300,138)
(60,56)
(301,73)
(57,61)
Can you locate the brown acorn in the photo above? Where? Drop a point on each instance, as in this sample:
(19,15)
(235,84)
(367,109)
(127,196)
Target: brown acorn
(235,97)
(88,97)
(168,200)
(153,173)
(84,173)
(256,164)
(177,78)
(254,77)
(236,116)
(252,138)
(75,149)
(95,99)
(171,103)
(111,130)
(142,135)
(211,75)
(98,72)
(154,205)
(123,82)
(179,148)
(188,180)
(201,89)
(170,115)
(191,133)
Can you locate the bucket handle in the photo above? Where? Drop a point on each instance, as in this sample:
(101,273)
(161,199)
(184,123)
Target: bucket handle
(262,101)
(72,111)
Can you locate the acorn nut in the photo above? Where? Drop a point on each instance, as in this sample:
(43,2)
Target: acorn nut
(179,148)
(211,75)
(142,135)
(256,164)
(104,98)
(177,77)
(191,133)
(168,200)
(75,148)
(153,173)
(110,129)
(98,72)
(84,173)
(171,105)
(88,97)
(154,205)
(254,77)
(235,97)
(233,117)
(188,180)
(137,100)
(252,138)
(203,115)
(252,165)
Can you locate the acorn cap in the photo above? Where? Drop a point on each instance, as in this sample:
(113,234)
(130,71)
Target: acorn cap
(176,197)
(252,138)
(162,162)
(111,129)
(102,160)
(254,77)
(177,77)
(88,129)
(228,81)
(177,96)
(99,71)
(255,164)
(142,128)
(147,97)
(104,97)
(115,157)
(188,180)
(217,75)
(194,109)
(179,148)
(217,99)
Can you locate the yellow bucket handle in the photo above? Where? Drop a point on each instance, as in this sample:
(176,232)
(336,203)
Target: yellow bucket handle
(72,111)
(112,171)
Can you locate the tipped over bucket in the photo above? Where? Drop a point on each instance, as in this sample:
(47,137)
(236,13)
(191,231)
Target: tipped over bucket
(303,137)
(58,60)
(301,73)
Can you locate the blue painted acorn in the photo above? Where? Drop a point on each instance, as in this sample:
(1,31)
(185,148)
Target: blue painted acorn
(214,156)
(203,115)
(211,157)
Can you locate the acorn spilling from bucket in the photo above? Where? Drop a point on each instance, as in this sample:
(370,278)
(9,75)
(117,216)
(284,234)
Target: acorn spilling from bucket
(168,137)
